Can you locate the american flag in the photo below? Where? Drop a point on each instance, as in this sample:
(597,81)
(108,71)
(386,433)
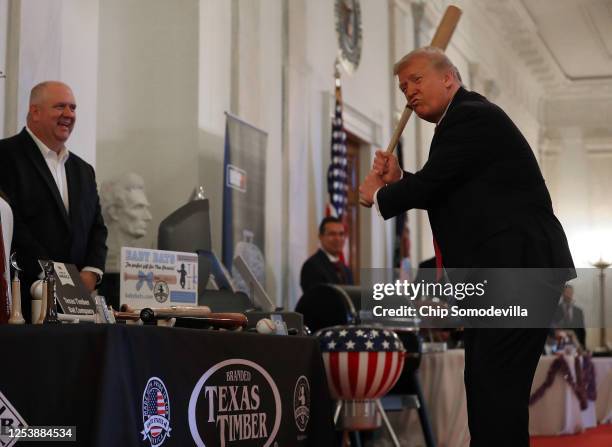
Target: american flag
(361,362)
(161,411)
(337,178)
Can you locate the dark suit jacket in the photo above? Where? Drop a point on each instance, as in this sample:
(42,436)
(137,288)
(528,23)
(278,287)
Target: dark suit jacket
(318,269)
(487,201)
(43,228)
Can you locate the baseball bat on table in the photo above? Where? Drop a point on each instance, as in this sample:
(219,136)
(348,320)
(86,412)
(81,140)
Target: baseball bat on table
(197,316)
(172,311)
(128,313)
(441,38)
(218,320)
(202,314)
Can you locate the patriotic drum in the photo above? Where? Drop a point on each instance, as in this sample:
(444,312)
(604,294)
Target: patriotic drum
(362,364)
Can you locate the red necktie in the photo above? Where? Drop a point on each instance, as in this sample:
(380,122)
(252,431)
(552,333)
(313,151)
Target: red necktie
(5,305)
(339,265)
(439,272)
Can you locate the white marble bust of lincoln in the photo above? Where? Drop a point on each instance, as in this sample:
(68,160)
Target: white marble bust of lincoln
(126,213)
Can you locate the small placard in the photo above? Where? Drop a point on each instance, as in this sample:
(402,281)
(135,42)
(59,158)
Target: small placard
(72,295)
(281,326)
(158,278)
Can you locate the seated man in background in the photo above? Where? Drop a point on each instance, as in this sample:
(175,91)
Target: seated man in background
(569,316)
(326,266)
(52,191)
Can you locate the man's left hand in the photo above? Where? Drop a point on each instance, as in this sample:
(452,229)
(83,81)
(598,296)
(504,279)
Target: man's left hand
(89,279)
(369,186)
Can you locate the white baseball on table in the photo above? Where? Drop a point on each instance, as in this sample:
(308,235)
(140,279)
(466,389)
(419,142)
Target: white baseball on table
(266,326)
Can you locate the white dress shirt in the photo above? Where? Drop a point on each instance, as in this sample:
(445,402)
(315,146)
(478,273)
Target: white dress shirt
(333,259)
(57,166)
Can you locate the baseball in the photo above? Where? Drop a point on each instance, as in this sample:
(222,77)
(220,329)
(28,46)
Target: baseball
(266,326)
(36,290)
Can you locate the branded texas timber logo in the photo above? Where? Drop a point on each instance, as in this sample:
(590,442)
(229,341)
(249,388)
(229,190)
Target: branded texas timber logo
(301,403)
(9,418)
(235,403)
(155,412)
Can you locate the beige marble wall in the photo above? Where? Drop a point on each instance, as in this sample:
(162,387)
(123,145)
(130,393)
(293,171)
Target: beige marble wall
(4,21)
(56,40)
(148,102)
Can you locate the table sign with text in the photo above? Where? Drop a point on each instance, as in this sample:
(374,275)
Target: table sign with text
(158,278)
(72,295)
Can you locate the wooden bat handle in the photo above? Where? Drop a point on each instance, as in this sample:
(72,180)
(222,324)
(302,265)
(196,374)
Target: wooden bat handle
(126,316)
(365,204)
(441,38)
(174,312)
(226,320)
(446,28)
(397,133)
(16,316)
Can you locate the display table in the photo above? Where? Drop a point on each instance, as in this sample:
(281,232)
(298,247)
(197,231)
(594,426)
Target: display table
(441,377)
(108,380)
(557,412)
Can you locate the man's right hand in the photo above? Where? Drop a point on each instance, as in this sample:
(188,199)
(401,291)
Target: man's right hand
(387,167)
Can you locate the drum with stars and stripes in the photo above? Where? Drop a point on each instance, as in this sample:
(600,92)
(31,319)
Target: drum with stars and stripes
(361,362)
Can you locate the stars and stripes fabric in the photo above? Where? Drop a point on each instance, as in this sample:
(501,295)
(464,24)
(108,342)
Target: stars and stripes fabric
(361,362)
(337,177)
(156,430)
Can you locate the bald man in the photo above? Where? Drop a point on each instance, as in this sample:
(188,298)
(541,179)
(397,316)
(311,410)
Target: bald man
(52,191)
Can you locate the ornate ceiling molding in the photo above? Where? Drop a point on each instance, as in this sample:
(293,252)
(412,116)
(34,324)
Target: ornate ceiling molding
(479,41)
(512,19)
(500,39)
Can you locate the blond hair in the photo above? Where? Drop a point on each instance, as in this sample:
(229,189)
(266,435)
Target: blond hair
(438,59)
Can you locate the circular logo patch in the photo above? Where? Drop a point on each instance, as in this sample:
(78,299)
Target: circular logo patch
(301,403)
(161,291)
(155,412)
(236,402)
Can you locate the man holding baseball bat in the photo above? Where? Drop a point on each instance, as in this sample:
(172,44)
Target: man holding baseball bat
(488,207)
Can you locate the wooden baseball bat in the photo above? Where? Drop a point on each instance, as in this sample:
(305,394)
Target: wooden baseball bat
(224,320)
(175,311)
(172,311)
(441,38)
(16,316)
(197,316)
